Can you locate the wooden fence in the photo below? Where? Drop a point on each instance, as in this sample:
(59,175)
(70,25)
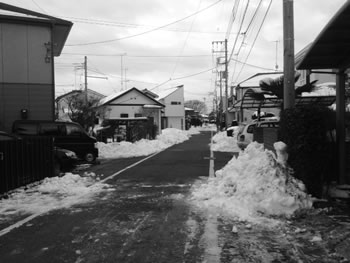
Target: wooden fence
(25,161)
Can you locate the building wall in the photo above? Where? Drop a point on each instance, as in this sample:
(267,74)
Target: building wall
(132,103)
(26,77)
(174,109)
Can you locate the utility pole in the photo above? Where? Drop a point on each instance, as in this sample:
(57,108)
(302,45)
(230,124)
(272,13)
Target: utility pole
(86,84)
(288,37)
(221,47)
(226,86)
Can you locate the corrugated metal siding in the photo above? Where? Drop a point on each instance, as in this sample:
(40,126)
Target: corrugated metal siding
(26,79)
(15,50)
(37,99)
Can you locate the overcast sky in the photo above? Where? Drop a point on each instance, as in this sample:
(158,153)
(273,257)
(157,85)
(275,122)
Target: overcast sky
(158,44)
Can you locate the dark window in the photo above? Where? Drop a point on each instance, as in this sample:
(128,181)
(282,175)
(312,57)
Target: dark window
(137,115)
(51,129)
(73,130)
(175,103)
(27,129)
(250,128)
(124,115)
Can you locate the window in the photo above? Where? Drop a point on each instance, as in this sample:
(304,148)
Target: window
(73,130)
(176,103)
(250,128)
(48,129)
(27,129)
(138,115)
(124,115)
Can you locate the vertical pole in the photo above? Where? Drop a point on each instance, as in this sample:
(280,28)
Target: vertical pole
(288,36)
(340,126)
(121,71)
(85,69)
(226,85)
(220,105)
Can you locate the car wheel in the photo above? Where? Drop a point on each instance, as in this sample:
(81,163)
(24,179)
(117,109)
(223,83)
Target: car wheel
(89,157)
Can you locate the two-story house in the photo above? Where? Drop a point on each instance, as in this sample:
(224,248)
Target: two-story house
(28,44)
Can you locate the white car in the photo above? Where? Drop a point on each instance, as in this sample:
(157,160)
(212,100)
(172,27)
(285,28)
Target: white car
(246,130)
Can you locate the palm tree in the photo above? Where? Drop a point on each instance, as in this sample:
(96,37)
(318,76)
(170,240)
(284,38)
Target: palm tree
(274,87)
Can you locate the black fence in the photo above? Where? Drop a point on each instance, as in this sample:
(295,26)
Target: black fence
(24,161)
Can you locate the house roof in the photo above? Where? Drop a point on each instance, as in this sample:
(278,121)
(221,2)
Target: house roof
(114,96)
(331,48)
(60,27)
(167,92)
(97,94)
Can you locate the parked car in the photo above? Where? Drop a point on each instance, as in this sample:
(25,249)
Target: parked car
(64,160)
(4,136)
(67,135)
(246,130)
(230,131)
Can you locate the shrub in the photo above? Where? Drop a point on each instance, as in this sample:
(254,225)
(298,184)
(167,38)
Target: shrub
(306,131)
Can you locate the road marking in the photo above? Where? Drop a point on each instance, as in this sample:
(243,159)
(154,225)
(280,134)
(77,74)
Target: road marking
(127,168)
(29,218)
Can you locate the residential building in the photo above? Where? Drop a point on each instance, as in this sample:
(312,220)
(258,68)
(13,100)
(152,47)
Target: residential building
(28,44)
(63,101)
(173,115)
(124,109)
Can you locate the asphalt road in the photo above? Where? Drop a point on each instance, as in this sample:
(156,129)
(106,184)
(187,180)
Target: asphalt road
(144,220)
(149,218)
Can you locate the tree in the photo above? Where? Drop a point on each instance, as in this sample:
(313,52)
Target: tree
(82,112)
(197,105)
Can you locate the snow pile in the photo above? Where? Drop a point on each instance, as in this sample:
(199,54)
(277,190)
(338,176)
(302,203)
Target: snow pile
(223,143)
(253,185)
(145,147)
(51,193)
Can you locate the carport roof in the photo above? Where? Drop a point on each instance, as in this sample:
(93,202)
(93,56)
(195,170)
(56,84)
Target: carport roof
(331,49)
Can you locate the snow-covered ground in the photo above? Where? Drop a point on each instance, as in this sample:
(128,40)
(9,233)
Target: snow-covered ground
(254,184)
(57,192)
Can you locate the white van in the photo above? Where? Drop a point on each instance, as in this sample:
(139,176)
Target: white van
(246,130)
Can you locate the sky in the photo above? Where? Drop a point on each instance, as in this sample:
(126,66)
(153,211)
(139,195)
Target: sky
(252,184)
(157,44)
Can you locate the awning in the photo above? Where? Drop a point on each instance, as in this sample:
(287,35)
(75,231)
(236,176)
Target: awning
(331,49)
(273,102)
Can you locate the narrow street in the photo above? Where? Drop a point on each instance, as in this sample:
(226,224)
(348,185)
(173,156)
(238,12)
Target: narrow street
(149,217)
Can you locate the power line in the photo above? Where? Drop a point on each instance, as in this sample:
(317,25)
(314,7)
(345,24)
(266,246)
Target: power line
(134,56)
(261,25)
(146,32)
(184,44)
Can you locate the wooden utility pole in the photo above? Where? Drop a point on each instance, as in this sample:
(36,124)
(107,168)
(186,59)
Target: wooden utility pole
(86,84)
(289,67)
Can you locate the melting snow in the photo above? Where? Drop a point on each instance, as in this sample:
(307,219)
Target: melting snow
(252,185)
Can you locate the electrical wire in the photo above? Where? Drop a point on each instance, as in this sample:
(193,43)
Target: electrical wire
(145,32)
(261,25)
(185,42)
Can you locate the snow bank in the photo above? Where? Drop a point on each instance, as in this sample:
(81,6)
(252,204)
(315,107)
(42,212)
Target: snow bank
(253,185)
(145,147)
(223,143)
(52,193)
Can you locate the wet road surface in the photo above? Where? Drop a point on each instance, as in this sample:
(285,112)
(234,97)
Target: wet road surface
(150,218)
